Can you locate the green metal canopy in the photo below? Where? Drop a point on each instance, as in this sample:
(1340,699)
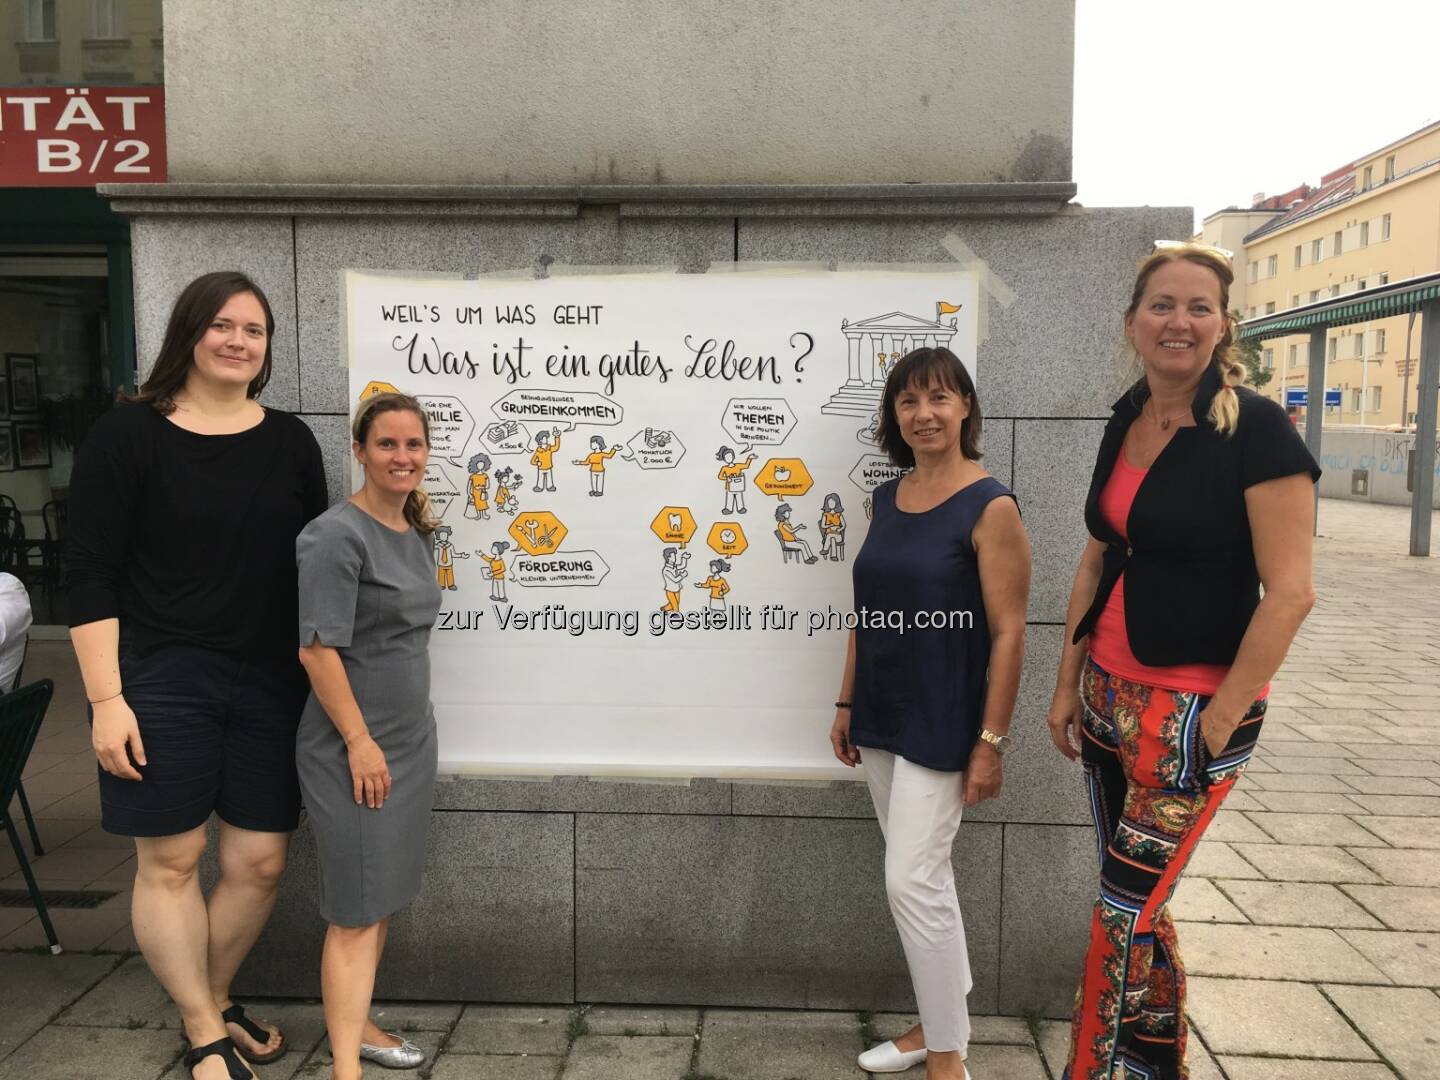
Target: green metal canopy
(1395,298)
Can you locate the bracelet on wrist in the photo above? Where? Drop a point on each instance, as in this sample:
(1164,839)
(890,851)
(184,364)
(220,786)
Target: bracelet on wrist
(112,697)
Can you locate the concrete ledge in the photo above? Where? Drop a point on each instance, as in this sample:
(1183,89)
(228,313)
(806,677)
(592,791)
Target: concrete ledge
(550,201)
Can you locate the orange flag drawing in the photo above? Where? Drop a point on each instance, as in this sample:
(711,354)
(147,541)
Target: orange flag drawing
(944,307)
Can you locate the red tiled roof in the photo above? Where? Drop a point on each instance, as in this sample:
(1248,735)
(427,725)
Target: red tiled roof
(1337,187)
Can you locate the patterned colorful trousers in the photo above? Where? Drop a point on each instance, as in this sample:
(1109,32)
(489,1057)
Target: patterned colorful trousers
(1154,787)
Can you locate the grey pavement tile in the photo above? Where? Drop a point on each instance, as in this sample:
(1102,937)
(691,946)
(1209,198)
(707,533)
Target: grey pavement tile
(1251,1016)
(82,806)
(1401,805)
(496,1067)
(1401,907)
(1235,828)
(1317,829)
(1409,958)
(1402,1023)
(1054,1044)
(92,1054)
(12,918)
(406,1016)
(1273,952)
(816,1046)
(303,1023)
(893,1025)
(51,983)
(1197,899)
(57,783)
(993,1062)
(1301,782)
(1297,903)
(1410,766)
(74,866)
(1259,1068)
(1306,802)
(1306,862)
(1243,800)
(128,997)
(1008,1030)
(1402,866)
(1215,859)
(1335,766)
(605,1057)
(77,928)
(1405,831)
(1291,750)
(641,1020)
(511,1029)
(1346,733)
(1394,785)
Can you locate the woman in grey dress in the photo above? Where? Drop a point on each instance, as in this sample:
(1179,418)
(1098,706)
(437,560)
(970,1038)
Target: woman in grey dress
(366,748)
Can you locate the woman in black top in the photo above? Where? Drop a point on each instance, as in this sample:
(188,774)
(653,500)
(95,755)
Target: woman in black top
(1202,491)
(185,506)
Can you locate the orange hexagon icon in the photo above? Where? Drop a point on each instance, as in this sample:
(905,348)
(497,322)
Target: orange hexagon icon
(539,532)
(784,477)
(375,386)
(727,538)
(674,525)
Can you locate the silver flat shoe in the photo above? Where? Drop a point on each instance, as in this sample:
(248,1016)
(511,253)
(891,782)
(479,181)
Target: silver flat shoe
(405,1056)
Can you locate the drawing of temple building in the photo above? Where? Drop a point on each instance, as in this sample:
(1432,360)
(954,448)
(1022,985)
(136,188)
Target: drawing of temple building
(873,345)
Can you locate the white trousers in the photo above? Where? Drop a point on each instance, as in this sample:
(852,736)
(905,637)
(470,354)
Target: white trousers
(919,811)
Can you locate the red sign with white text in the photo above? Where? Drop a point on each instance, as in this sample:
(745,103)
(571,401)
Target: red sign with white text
(80,136)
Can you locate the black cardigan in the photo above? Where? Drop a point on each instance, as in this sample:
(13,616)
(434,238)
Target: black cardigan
(1191,584)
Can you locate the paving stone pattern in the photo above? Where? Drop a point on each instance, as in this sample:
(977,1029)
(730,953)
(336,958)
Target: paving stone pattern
(1309,919)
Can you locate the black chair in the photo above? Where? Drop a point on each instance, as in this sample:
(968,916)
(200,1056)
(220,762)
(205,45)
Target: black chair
(21,713)
(55,514)
(19,786)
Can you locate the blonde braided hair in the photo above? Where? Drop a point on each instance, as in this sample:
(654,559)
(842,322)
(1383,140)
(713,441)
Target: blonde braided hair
(417,503)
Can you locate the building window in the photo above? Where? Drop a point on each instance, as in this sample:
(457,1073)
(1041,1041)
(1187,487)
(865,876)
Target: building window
(1385,227)
(1270,307)
(1314,295)
(1295,300)
(1380,342)
(39,20)
(1317,249)
(1339,243)
(1250,312)
(1390,167)
(1334,290)
(1299,248)
(1384,279)
(1361,284)
(1268,359)
(1357,348)
(1355,400)
(1364,233)
(107,19)
(1272,266)
(1254,272)
(1375,398)
(1332,350)
(1294,355)
(1365,186)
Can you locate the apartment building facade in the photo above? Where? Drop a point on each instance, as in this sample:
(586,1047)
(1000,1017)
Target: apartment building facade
(1370,223)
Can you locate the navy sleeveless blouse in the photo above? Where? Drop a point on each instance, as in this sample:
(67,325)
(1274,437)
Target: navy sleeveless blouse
(920,664)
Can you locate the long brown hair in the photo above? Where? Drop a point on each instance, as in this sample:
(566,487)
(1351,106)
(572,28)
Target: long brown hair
(195,308)
(921,367)
(1225,406)
(417,503)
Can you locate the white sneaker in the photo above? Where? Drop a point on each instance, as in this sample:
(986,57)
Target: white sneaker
(887,1058)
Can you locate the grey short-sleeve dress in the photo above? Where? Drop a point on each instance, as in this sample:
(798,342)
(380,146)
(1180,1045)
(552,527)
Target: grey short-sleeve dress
(370,593)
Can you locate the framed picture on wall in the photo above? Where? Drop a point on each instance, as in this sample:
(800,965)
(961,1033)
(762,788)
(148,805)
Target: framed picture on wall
(32,446)
(7,449)
(24,383)
(5,396)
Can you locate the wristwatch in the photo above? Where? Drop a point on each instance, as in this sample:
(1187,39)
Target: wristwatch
(1001,743)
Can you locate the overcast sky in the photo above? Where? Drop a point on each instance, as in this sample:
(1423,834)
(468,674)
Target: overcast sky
(1203,105)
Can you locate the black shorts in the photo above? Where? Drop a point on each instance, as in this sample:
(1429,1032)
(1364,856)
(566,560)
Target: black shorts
(219,736)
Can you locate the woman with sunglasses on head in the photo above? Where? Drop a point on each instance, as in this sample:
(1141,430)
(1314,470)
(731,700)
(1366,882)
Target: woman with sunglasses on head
(927,694)
(184,508)
(367,745)
(1202,492)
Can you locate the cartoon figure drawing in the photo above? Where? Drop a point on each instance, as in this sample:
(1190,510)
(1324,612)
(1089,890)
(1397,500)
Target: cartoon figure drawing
(788,535)
(869,508)
(596,460)
(495,568)
(478,505)
(717,585)
(732,473)
(445,556)
(546,443)
(506,481)
(832,528)
(673,575)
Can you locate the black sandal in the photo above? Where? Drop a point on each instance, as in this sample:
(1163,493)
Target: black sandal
(227,1051)
(235,1014)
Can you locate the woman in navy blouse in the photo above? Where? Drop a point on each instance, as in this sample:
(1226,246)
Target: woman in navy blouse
(931,676)
(1202,490)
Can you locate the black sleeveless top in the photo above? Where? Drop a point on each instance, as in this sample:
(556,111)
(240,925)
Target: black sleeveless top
(922,643)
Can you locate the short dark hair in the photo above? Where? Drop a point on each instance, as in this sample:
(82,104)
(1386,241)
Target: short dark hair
(922,367)
(195,307)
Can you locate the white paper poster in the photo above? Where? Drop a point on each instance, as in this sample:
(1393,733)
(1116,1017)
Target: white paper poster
(652,487)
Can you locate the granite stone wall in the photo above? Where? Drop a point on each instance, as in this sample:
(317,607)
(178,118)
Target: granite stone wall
(706,891)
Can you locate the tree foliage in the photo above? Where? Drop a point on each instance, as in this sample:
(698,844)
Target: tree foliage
(1248,351)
